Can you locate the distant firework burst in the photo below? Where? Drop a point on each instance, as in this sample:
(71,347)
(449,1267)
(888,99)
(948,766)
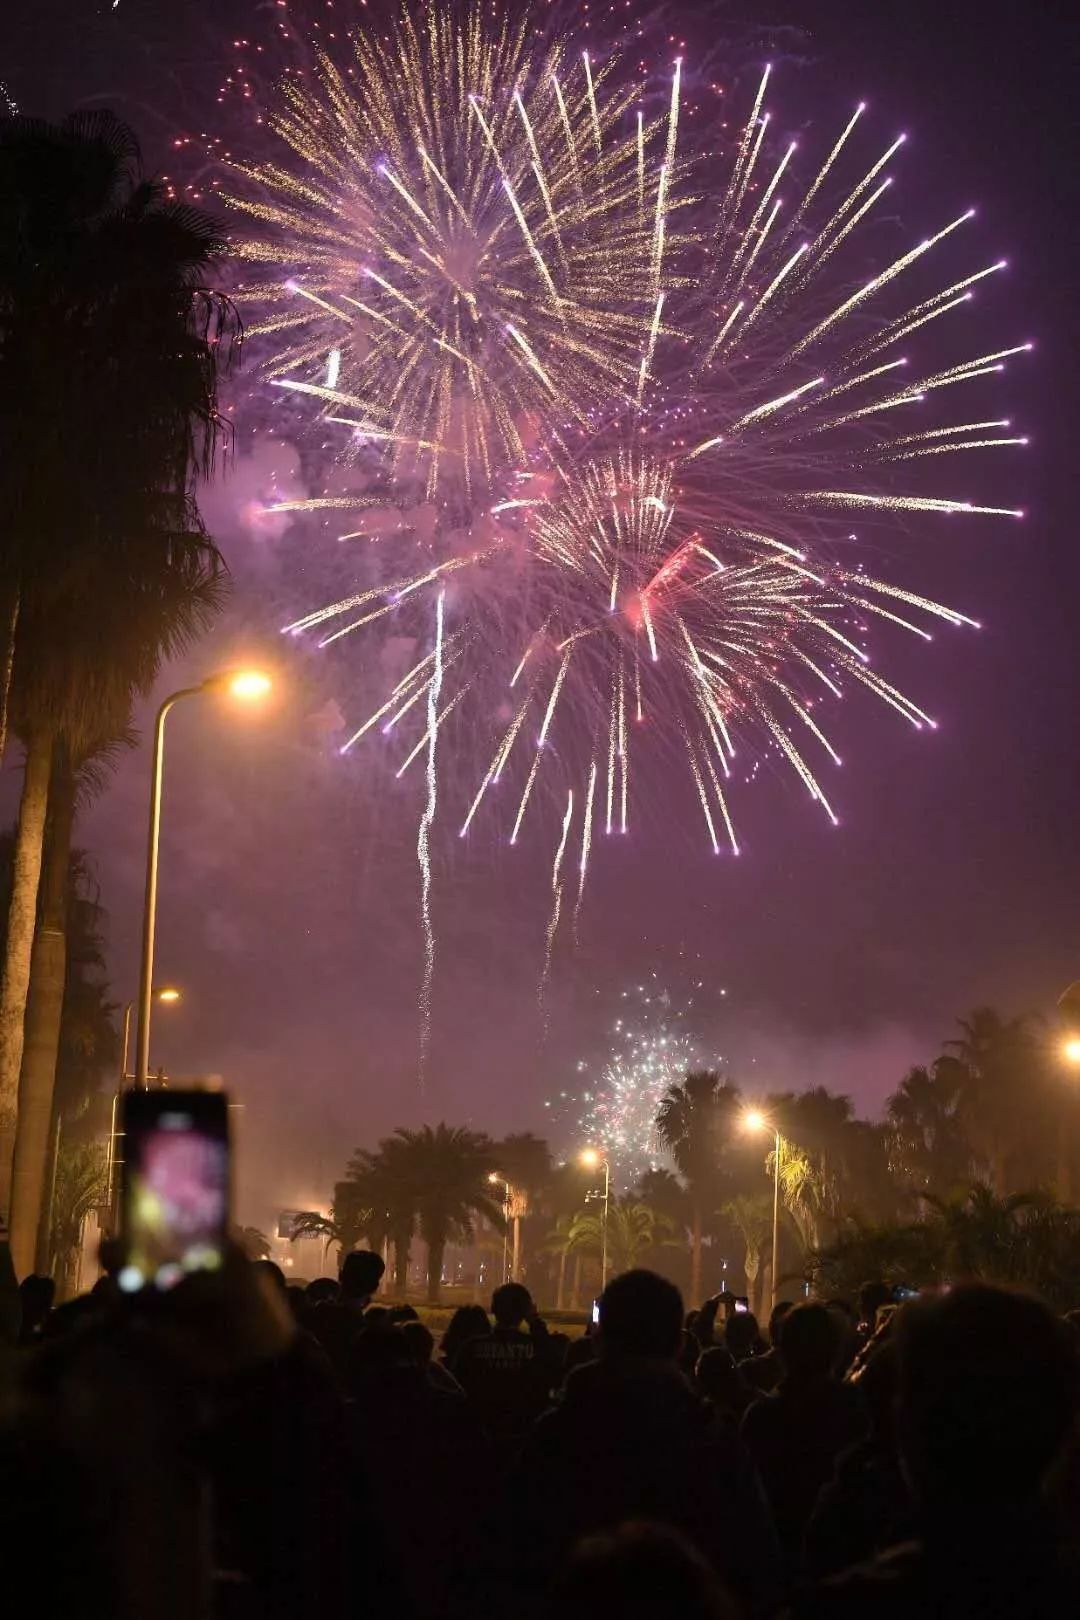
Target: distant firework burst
(462,245)
(654,1044)
(658,561)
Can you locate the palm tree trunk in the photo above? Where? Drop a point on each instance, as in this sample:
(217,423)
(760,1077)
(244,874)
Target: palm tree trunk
(45,1261)
(48,967)
(999,1170)
(401,1266)
(752,1268)
(561,1288)
(695,1258)
(22,916)
(575,1286)
(10,613)
(436,1250)
(1064,1157)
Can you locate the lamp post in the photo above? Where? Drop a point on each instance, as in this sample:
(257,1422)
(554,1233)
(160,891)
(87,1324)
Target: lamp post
(168,995)
(247,685)
(754,1120)
(1070,1055)
(497,1180)
(591,1158)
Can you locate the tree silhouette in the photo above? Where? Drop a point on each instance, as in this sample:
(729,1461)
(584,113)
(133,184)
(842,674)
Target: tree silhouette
(350,1219)
(927,1148)
(78,1189)
(525,1161)
(997,1063)
(255,1244)
(633,1228)
(696,1122)
(379,1183)
(110,346)
(442,1172)
(751,1215)
(1024,1240)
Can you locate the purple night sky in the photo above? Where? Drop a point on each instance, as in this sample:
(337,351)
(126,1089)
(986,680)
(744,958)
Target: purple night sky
(289,895)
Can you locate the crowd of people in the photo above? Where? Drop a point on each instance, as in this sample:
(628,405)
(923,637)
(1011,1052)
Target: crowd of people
(245,1449)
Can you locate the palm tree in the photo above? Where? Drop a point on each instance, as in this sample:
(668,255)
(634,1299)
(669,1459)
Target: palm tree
(445,1171)
(1023,1240)
(663,1190)
(632,1229)
(560,1241)
(751,1215)
(979,1232)
(255,1244)
(525,1161)
(895,1252)
(927,1146)
(108,570)
(87,1045)
(696,1121)
(78,1189)
(801,1188)
(382,1182)
(819,1122)
(997,1061)
(351,1217)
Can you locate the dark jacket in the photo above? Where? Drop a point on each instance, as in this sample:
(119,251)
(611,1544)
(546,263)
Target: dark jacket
(794,1438)
(996,1565)
(631,1440)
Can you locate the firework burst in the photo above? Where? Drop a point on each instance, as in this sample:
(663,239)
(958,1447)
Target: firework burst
(463,244)
(667,567)
(653,1046)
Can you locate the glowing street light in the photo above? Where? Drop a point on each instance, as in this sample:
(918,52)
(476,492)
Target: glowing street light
(754,1120)
(246,685)
(1070,1051)
(500,1181)
(592,1159)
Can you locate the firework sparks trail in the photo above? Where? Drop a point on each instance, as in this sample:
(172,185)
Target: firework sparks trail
(423,845)
(556,902)
(690,534)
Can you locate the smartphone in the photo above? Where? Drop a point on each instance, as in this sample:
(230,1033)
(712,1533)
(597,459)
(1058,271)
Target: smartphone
(596,1313)
(742,1304)
(175,1209)
(901,1293)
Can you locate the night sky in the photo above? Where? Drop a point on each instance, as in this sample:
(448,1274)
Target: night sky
(289,891)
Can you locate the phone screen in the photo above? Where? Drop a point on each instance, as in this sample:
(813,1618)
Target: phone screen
(742,1305)
(596,1313)
(176,1186)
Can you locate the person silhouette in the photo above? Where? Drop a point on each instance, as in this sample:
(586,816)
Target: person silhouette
(987,1406)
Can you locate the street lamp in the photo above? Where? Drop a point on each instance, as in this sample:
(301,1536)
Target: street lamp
(497,1180)
(592,1159)
(168,995)
(246,685)
(1070,1056)
(755,1120)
